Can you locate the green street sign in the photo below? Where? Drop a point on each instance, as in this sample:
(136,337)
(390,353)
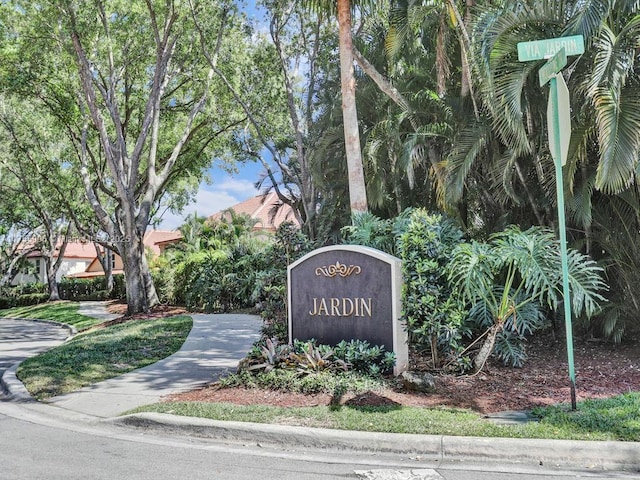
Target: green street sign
(540,49)
(553,66)
(559,121)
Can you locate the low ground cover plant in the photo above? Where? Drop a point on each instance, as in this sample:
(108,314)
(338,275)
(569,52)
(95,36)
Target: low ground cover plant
(304,357)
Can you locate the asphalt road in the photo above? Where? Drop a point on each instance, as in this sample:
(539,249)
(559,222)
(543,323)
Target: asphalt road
(21,339)
(33,451)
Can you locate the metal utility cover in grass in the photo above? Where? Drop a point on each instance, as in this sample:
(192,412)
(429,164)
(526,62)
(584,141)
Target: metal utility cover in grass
(348,292)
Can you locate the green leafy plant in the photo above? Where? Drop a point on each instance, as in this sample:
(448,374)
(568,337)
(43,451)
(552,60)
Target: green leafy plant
(510,278)
(311,358)
(306,357)
(269,291)
(362,357)
(370,231)
(435,315)
(268,356)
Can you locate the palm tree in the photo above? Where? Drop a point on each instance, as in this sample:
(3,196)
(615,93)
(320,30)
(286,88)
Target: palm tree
(357,187)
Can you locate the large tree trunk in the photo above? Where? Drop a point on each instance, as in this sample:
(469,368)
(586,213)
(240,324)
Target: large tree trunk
(149,286)
(108,270)
(52,266)
(132,253)
(52,283)
(12,268)
(105,259)
(357,188)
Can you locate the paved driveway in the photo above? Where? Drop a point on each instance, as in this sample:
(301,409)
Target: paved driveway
(21,339)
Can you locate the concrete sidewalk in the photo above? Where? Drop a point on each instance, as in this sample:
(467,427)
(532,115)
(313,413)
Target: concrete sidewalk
(96,309)
(214,347)
(21,339)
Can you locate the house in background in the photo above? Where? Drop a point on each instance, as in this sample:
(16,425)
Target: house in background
(81,259)
(77,258)
(155,241)
(266,210)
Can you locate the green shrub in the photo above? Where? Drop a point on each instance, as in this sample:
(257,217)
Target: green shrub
(26,289)
(79,289)
(269,292)
(24,295)
(370,231)
(30,299)
(6,302)
(434,315)
(195,284)
(214,279)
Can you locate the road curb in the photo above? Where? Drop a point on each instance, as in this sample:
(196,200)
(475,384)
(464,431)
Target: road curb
(15,389)
(592,456)
(70,328)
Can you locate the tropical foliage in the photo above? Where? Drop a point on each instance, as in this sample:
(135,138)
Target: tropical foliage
(511,279)
(447,117)
(434,314)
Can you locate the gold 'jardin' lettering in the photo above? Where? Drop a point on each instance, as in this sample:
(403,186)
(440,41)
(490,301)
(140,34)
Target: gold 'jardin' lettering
(341,307)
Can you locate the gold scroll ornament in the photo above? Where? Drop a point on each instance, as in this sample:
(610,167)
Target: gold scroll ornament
(338,269)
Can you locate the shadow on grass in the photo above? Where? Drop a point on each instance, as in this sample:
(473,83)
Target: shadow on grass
(62,311)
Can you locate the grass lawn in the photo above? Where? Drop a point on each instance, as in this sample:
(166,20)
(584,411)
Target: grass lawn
(612,419)
(63,312)
(102,354)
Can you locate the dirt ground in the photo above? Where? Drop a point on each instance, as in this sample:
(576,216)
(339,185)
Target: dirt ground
(602,370)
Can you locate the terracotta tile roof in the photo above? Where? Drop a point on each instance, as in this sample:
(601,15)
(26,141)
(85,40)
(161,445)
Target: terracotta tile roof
(73,250)
(260,208)
(155,239)
(80,250)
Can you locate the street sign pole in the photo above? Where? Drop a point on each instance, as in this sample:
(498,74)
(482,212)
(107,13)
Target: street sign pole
(556,50)
(562,229)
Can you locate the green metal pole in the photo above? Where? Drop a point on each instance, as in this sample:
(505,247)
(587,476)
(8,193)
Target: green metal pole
(562,229)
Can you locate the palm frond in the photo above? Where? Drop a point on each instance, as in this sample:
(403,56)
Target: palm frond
(585,281)
(618,122)
(580,205)
(468,147)
(587,17)
(415,147)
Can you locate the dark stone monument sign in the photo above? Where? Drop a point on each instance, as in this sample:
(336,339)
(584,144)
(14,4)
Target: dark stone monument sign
(348,292)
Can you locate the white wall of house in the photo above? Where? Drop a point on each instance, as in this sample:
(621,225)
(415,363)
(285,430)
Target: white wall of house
(68,267)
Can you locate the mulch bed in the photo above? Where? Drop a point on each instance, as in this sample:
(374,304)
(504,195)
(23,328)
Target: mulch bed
(602,370)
